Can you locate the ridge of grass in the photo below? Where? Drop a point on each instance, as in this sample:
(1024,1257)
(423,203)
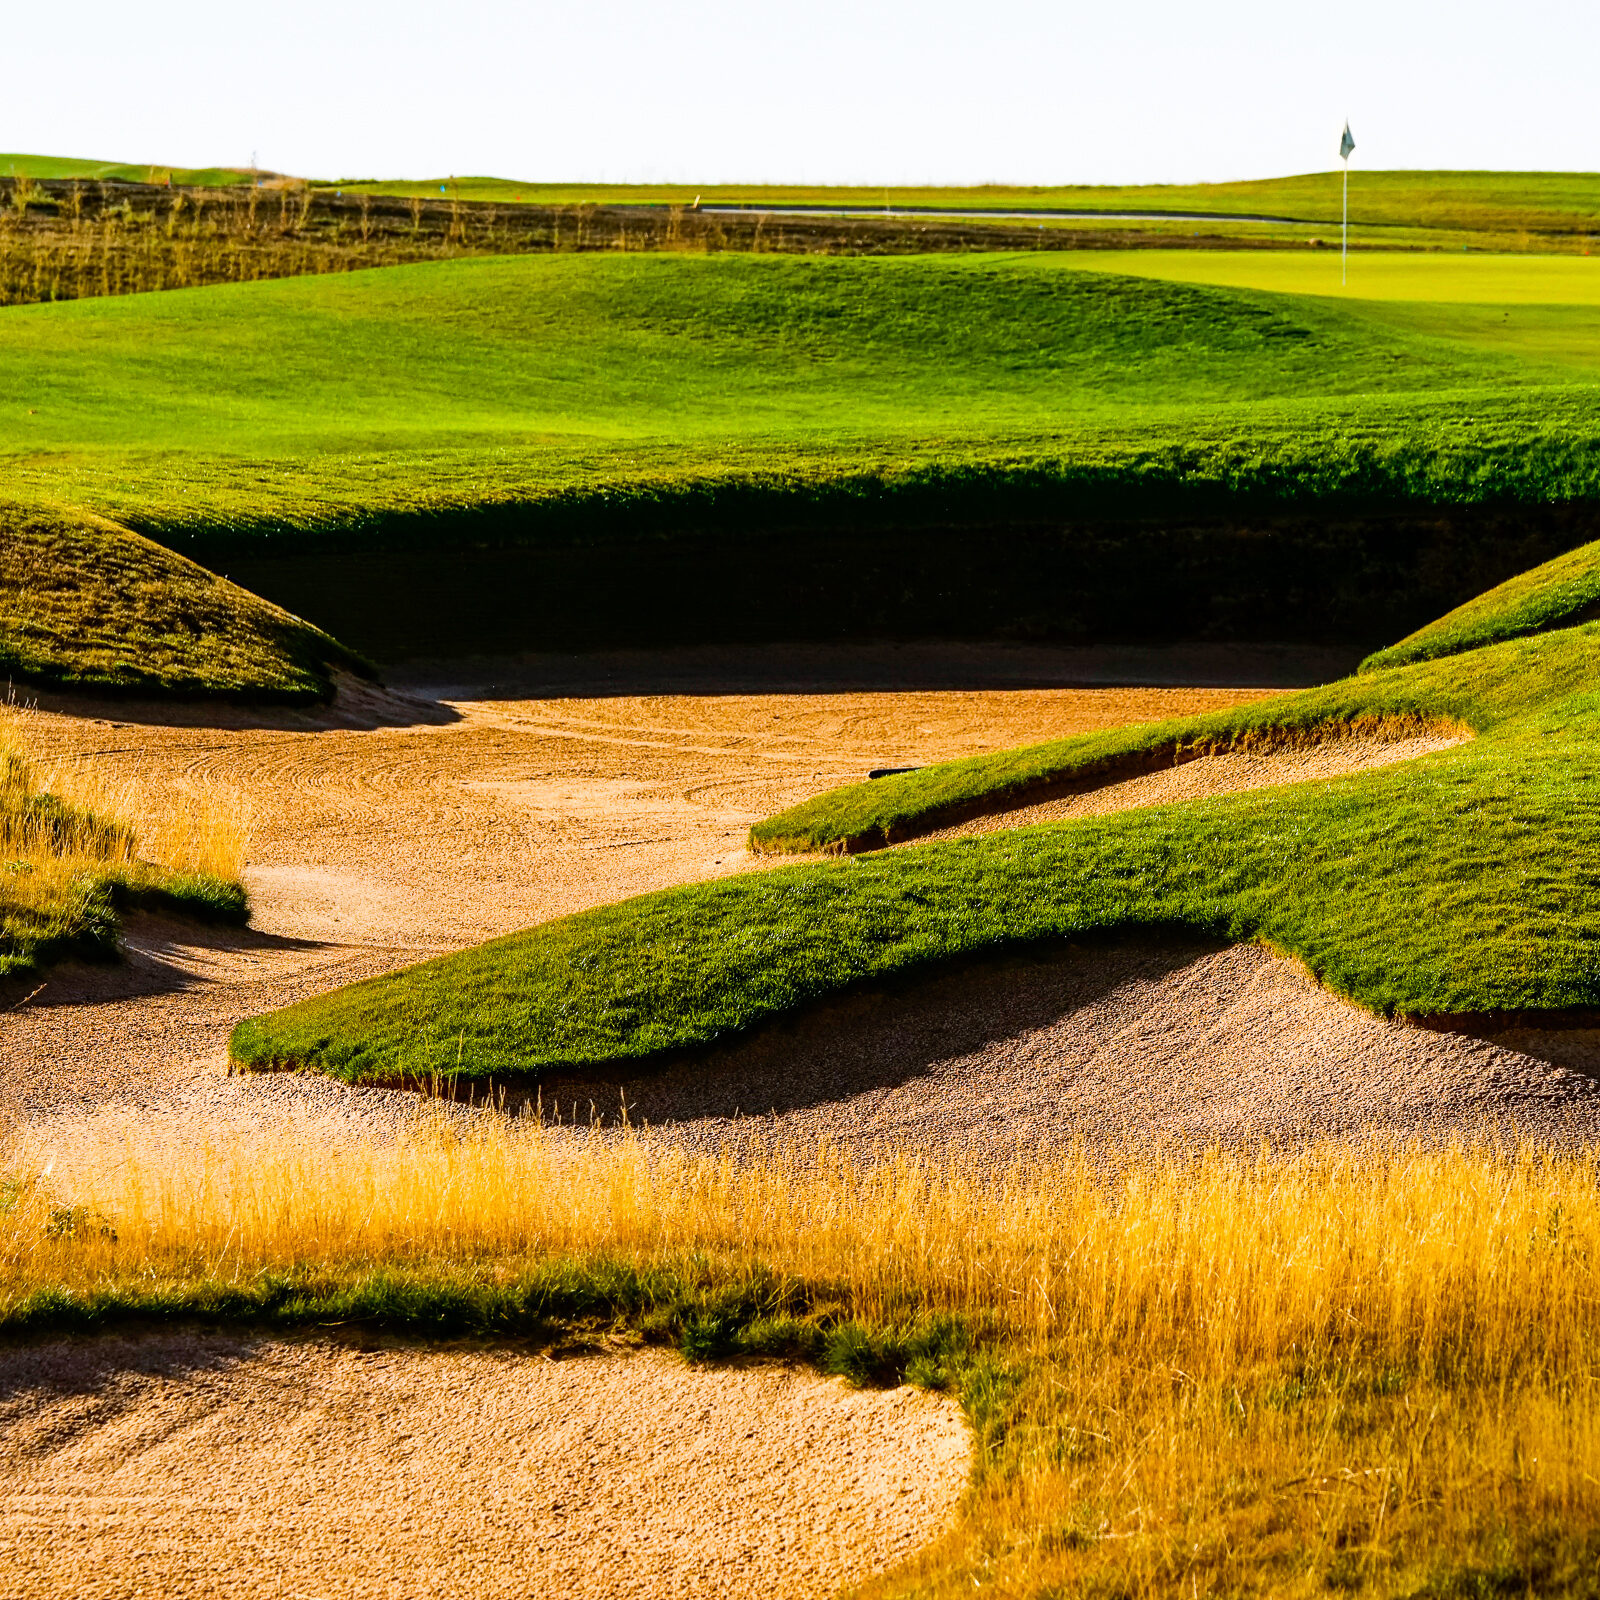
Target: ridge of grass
(1558,594)
(87,604)
(1463,882)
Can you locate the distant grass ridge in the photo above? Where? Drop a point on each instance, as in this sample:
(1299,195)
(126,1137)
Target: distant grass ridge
(86,604)
(1464,882)
(1530,208)
(15,164)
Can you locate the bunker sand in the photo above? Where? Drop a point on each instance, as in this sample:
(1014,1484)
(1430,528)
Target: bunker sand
(395,826)
(392,828)
(196,1464)
(1111,1047)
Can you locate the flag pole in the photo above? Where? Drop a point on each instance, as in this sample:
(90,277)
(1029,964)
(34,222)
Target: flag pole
(1346,145)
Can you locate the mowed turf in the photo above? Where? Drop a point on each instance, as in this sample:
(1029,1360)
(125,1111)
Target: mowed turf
(329,402)
(1467,881)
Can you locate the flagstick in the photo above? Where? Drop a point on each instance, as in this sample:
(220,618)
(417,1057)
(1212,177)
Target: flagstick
(1344,237)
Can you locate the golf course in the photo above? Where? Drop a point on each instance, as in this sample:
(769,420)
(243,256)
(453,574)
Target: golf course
(857,912)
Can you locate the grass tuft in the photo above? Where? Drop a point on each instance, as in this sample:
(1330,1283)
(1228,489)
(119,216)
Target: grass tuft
(71,857)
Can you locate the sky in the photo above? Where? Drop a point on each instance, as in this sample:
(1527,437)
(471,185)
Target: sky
(892,92)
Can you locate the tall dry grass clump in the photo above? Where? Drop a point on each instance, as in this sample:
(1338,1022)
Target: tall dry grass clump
(76,840)
(1366,1368)
(197,828)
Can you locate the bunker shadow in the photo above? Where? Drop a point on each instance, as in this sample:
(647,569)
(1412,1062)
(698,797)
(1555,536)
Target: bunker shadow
(878,1038)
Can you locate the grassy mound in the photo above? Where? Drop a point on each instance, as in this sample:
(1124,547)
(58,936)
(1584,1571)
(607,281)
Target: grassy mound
(1558,594)
(86,604)
(1463,882)
(584,392)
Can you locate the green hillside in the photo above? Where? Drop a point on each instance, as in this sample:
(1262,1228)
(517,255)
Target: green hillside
(318,403)
(17,164)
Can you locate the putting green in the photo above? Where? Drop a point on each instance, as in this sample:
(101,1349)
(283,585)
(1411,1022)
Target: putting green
(1458,278)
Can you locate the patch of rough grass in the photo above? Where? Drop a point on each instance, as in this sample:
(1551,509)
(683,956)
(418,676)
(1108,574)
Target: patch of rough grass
(1559,594)
(70,860)
(1359,1369)
(87,604)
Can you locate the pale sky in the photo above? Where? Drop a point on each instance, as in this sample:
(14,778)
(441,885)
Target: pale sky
(848,91)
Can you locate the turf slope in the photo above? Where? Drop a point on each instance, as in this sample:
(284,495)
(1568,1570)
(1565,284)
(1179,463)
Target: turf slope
(582,391)
(87,604)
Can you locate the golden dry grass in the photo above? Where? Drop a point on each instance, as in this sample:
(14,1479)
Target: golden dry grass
(1366,1368)
(73,838)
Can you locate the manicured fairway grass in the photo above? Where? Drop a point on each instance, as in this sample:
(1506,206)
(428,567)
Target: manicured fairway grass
(1433,278)
(598,387)
(1468,881)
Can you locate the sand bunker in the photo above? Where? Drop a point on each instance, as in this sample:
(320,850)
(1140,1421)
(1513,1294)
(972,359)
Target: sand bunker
(1231,772)
(388,839)
(197,1464)
(208,1465)
(1113,1047)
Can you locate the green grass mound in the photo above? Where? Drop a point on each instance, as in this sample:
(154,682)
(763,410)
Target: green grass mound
(17,165)
(86,604)
(1558,594)
(589,390)
(1463,882)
